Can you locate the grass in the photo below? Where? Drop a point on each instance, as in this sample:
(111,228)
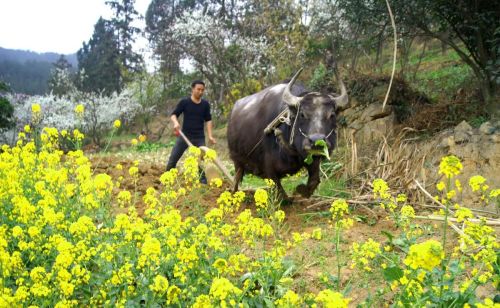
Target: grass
(439,75)
(328,187)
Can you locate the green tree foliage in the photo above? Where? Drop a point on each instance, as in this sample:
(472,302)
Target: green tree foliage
(61,78)
(6,109)
(99,61)
(147,91)
(357,27)
(160,18)
(124,15)
(280,22)
(471,28)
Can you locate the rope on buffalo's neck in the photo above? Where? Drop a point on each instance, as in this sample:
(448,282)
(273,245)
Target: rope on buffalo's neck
(292,134)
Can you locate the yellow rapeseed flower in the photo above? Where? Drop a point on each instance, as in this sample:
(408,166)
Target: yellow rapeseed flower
(331,299)
(260,198)
(160,284)
(339,208)
(79,110)
(35,108)
(279,216)
(117,124)
(222,289)
(477,182)
(381,189)
(290,299)
(450,166)
(216,182)
(426,255)
(463,213)
(210,155)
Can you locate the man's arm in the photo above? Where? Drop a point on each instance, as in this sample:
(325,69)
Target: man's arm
(209,131)
(175,122)
(177,112)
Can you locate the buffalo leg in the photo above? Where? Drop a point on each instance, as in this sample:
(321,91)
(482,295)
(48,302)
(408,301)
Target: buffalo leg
(281,190)
(312,182)
(237,178)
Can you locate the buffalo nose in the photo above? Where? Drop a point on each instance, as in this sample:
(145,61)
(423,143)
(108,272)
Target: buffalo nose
(316,137)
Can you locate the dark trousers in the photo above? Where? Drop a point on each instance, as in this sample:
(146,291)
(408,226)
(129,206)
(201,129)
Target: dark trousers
(179,148)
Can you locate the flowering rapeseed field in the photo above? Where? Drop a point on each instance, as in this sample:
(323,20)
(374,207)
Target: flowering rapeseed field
(60,245)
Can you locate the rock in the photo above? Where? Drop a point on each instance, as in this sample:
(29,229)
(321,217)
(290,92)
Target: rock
(495,138)
(374,111)
(374,130)
(463,131)
(496,124)
(463,127)
(461,137)
(356,125)
(447,142)
(487,128)
(353,102)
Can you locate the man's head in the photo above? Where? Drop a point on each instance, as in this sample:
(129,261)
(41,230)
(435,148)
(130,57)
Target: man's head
(197,88)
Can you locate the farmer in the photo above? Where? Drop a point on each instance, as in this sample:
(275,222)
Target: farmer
(196,113)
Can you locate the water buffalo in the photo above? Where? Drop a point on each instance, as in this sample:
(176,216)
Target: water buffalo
(271,133)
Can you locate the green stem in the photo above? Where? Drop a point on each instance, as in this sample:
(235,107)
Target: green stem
(105,148)
(445,227)
(337,252)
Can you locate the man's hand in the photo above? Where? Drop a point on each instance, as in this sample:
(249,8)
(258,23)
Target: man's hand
(212,140)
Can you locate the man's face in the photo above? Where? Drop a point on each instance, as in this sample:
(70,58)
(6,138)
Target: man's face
(198,90)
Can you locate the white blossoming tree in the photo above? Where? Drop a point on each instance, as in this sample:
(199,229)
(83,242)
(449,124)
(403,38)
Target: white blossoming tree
(222,55)
(58,112)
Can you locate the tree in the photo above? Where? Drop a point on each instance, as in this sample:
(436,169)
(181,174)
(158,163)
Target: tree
(219,53)
(124,15)
(160,19)
(99,61)
(6,109)
(61,79)
(279,24)
(471,28)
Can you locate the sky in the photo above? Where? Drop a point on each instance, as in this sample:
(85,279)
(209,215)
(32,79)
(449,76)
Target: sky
(59,26)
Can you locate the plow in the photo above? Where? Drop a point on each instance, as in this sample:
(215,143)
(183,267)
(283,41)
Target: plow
(209,170)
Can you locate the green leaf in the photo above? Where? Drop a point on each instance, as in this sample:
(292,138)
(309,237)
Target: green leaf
(318,152)
(309,159)
(389,235)
(320,143)
(393,273)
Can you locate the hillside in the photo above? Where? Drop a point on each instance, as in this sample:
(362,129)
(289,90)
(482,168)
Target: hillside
(27,71)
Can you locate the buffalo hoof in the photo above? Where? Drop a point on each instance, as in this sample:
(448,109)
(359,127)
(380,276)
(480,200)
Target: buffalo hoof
(303,191)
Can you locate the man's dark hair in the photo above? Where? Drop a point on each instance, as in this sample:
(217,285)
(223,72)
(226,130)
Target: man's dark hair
(194,83)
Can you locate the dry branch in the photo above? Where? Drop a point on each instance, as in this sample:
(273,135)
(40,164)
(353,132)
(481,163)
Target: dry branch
(441,218)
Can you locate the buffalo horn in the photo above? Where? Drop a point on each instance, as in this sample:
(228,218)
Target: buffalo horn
(290,99)
(342,100)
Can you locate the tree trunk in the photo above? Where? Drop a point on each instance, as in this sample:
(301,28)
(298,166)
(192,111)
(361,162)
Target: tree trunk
(491,99)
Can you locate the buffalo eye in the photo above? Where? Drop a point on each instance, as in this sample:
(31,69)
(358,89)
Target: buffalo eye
(303,116)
